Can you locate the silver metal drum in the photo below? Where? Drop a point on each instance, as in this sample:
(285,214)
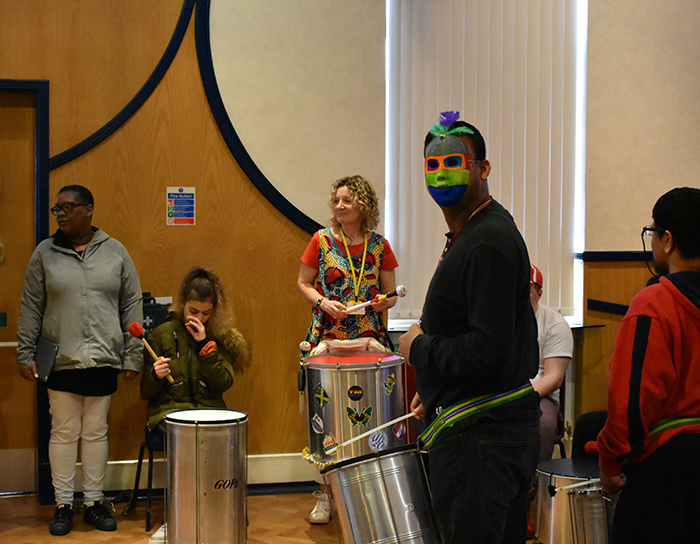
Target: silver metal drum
(349,393)
(383,498)
(591,513)
(206,477)
(554,518)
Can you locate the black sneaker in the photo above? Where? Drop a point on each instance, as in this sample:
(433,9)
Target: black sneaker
(99,516)
(62,521)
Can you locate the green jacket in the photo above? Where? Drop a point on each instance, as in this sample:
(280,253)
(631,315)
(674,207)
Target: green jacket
(200,382)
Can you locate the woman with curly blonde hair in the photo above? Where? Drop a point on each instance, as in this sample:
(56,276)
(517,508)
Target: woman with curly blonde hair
(345,265)
(198,347)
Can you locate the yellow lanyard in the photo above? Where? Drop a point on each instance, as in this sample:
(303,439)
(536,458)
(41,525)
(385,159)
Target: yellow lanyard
(356,280)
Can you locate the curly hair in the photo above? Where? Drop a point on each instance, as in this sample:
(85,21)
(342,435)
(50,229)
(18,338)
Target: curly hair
(204,285)
(363,195)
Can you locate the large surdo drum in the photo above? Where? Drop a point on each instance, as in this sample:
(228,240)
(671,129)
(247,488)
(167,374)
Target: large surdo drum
(349,393)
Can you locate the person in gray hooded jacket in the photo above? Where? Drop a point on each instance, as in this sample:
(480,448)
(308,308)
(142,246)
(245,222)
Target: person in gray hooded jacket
(81,290)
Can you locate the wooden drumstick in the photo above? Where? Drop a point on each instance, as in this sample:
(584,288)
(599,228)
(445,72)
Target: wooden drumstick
(400,291)
(136,330)
(333,449)
(592,481)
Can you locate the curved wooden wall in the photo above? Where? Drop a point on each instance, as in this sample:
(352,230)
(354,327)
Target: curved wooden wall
(96,60)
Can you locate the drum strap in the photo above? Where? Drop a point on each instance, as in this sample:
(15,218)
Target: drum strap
(468,408)
(672,423)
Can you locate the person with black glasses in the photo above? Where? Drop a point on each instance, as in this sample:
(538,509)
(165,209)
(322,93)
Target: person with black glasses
(81,291)
(649,446)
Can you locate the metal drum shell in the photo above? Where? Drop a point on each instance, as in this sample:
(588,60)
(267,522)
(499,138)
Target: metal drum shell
(356,381)
(554,521)
(206,500)
(383,498)
(591,514)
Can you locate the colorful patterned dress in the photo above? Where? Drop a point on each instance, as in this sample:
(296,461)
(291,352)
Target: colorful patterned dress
(335,282)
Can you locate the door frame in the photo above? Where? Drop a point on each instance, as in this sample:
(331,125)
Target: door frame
(40,89)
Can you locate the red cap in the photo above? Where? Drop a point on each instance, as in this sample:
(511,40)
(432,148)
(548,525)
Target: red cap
(536,275)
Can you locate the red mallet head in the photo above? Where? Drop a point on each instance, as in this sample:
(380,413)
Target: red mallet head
(136,330)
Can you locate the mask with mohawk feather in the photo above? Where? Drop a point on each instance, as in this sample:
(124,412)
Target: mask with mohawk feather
(447,173)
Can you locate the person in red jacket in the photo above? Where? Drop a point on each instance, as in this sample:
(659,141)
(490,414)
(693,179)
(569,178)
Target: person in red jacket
(650,445)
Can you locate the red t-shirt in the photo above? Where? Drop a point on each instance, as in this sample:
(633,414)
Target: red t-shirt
(310,256)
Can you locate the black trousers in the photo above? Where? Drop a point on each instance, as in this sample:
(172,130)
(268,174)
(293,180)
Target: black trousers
(661,500)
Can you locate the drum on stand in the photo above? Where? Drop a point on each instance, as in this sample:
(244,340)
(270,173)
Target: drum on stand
(562,514)
(206,477)
(383,498)
(349,393)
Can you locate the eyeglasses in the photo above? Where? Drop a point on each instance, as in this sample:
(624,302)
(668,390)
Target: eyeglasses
(66,208)
(649,231)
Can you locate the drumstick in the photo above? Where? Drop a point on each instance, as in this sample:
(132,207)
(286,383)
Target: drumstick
(333,449)
(579,484)
(400,291)
(136,330)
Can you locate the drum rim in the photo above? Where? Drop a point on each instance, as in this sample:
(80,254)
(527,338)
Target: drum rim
(173,416)
(388,359)
(370,456)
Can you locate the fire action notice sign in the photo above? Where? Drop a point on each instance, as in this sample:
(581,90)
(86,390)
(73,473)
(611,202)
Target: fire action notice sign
(181,206)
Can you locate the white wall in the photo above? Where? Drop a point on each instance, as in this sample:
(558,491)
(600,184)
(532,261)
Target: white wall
(643,114)
(303,84)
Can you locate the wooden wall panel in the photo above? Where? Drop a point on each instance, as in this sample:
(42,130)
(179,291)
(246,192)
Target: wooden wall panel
(17,126)
(616,282)
(96,54)
(173,141)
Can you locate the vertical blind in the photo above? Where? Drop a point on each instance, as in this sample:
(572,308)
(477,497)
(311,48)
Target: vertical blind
(509,68)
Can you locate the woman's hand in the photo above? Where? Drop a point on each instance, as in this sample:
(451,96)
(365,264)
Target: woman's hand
(30,374)
(381,305)
(196,328)
(336,309)
(161,367)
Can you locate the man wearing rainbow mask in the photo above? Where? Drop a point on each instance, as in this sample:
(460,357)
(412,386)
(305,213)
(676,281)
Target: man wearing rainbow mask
(475,350)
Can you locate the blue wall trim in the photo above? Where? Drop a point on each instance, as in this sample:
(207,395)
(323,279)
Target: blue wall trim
(238,150)
(621,256)
(139,98)
(608,307)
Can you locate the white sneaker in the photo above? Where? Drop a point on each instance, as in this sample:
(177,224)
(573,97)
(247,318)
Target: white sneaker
(322,511)
(158,536)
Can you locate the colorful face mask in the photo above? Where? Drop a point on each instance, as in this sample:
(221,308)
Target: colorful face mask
(446,173)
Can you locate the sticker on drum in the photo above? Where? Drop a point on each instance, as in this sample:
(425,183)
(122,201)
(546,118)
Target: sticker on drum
(329,442)
(399,429)
(389,384)
(321,395)
(377,441)
(359,417)
(355,392)
(317,424)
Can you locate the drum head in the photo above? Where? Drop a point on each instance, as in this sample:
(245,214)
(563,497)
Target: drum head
(361,359)
(215,416)
(570,468)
